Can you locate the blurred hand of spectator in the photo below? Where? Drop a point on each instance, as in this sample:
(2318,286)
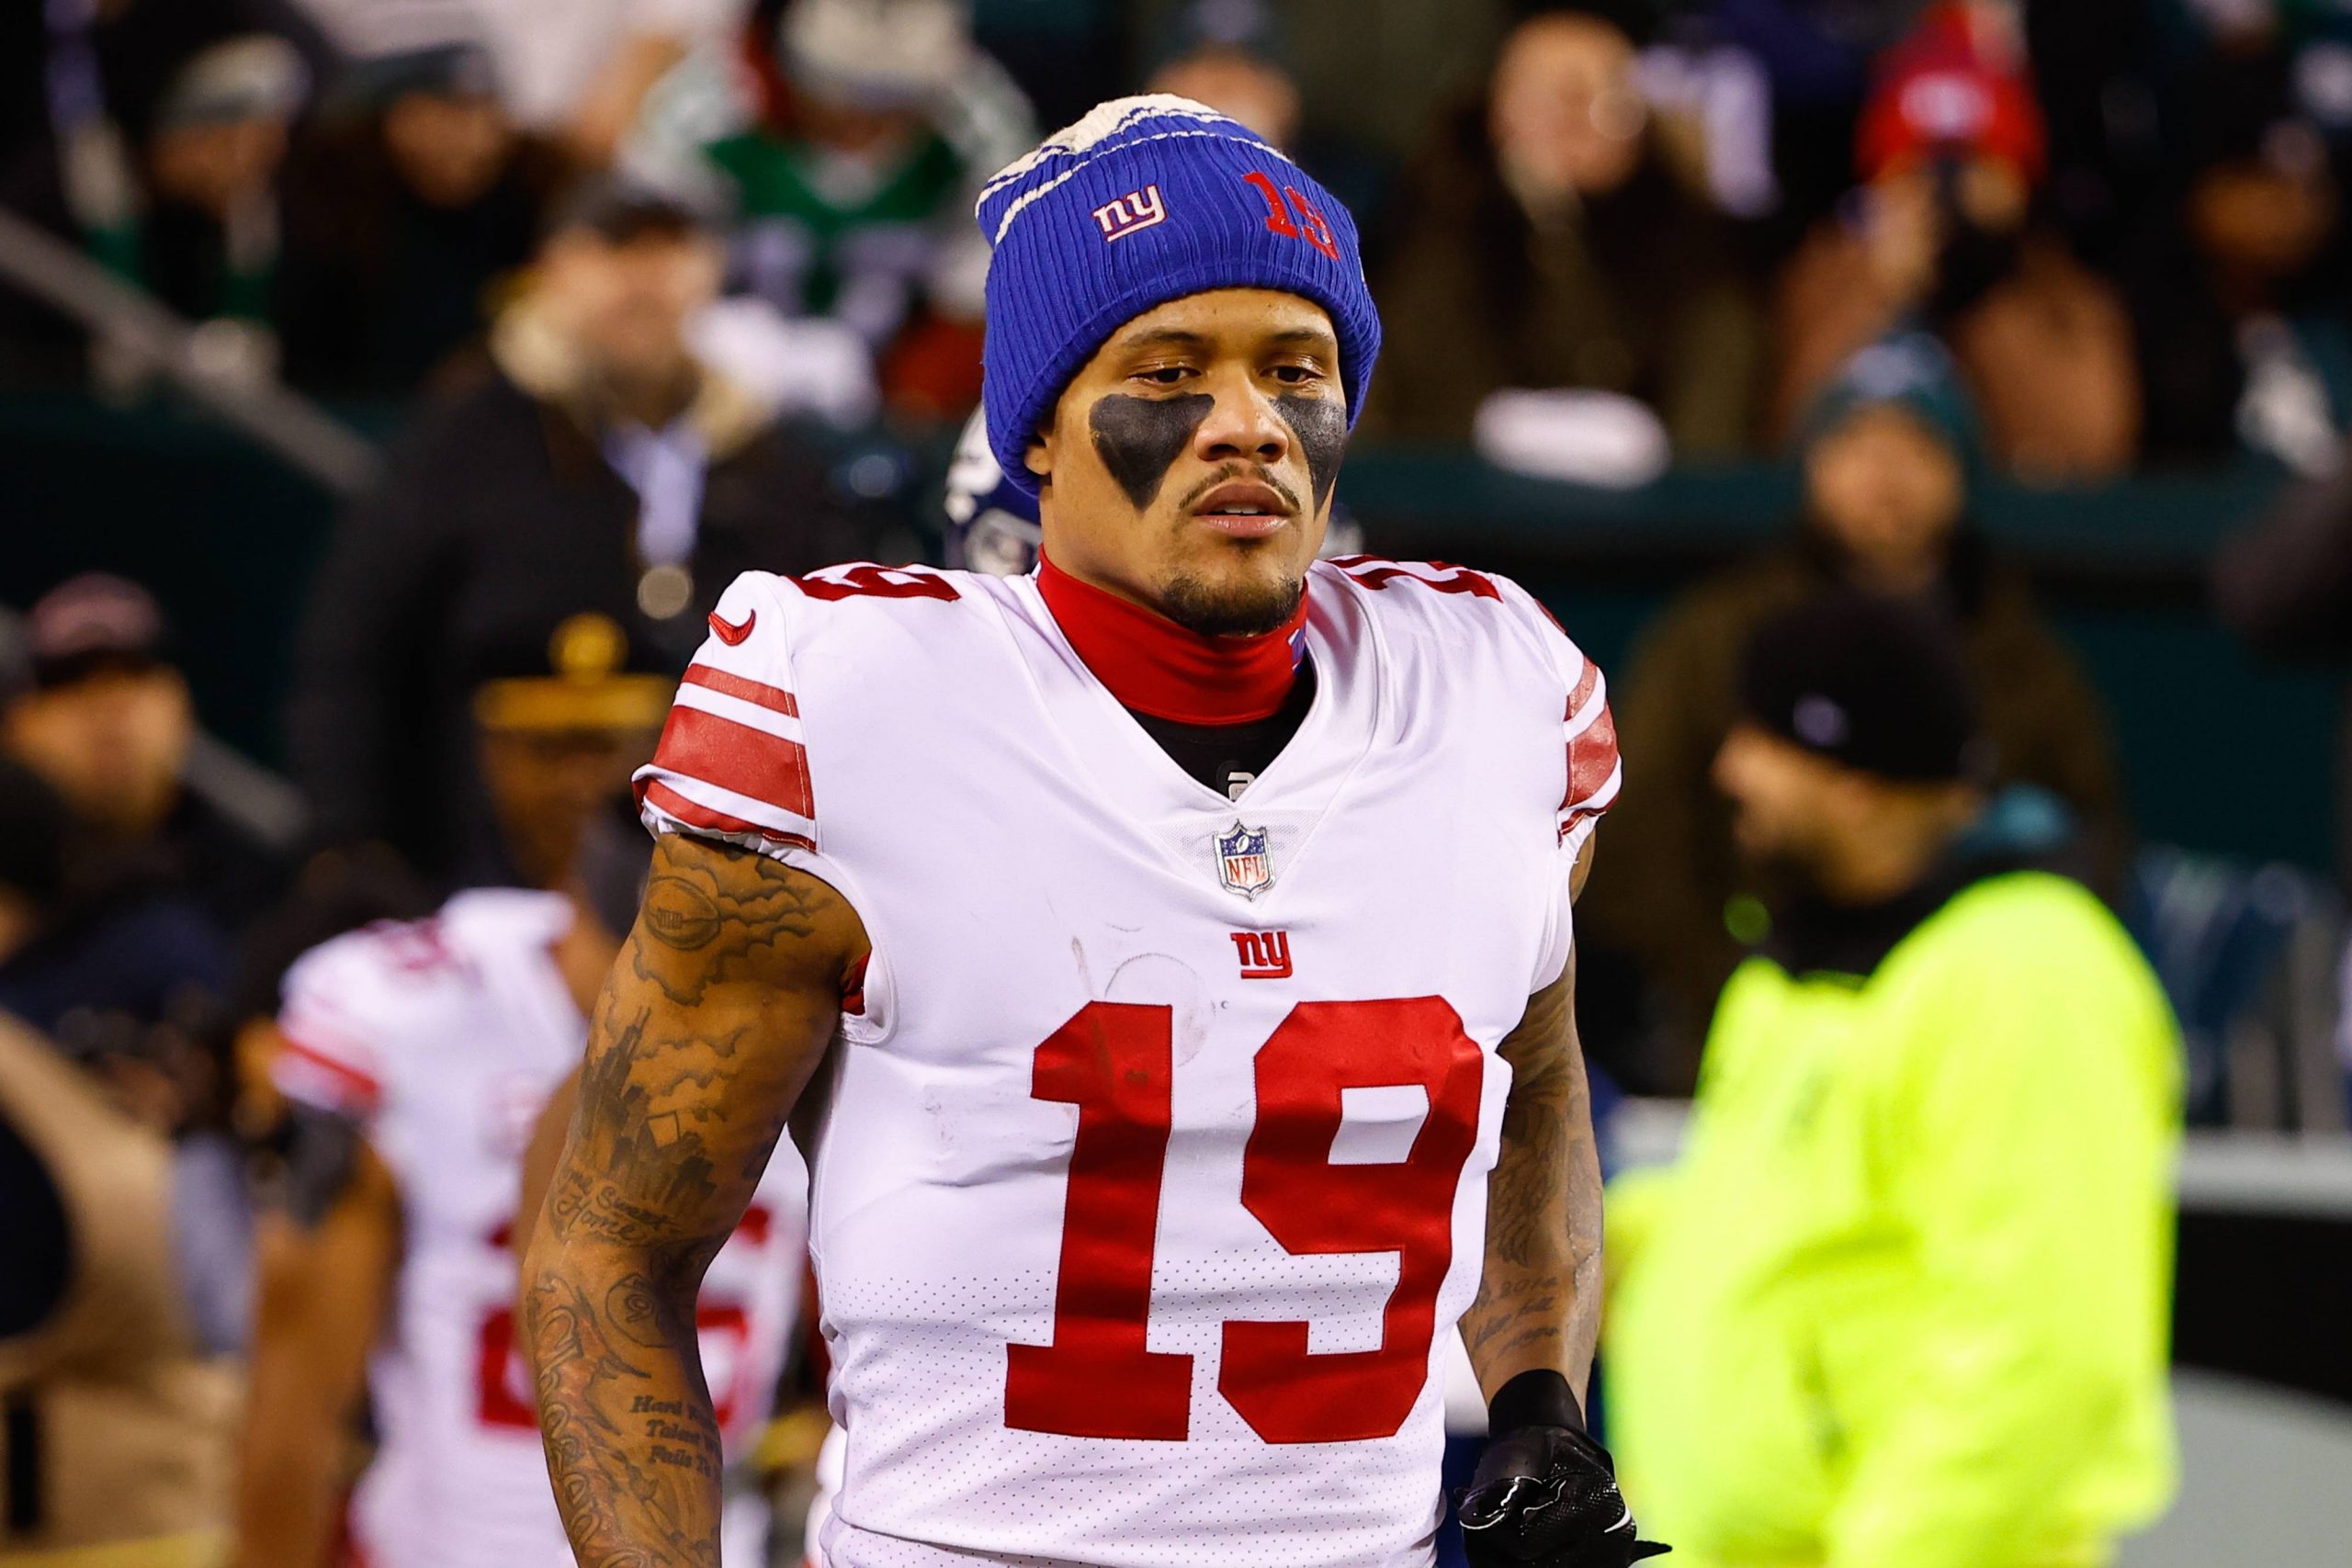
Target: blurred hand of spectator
(1548,245)
(598,463)
(1944,232)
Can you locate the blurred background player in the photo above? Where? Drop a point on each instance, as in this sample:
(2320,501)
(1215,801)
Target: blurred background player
(435,1044)
(1924,1222)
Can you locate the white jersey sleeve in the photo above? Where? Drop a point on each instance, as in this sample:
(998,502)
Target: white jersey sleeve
(342,1011)
(1591,771)
(1557,674)
(734,762)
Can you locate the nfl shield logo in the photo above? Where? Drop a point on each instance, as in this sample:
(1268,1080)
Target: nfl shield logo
(1242,862)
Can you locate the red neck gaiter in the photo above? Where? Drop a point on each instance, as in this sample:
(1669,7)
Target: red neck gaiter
(1154,666)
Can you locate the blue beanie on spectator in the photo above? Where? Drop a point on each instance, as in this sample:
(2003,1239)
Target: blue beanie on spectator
(1142,201)
(1911,370)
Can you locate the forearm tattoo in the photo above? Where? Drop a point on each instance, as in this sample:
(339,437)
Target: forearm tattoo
(709,1025)
(1539,1302)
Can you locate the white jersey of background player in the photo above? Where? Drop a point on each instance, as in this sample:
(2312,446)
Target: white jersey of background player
(1190,915)
(440,1040)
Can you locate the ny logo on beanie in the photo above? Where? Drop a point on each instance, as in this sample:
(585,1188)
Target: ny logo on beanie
(1124,215)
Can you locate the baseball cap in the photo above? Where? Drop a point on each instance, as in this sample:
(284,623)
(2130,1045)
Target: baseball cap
(91,623)
(582,673)
(1873,683)
(1945,89)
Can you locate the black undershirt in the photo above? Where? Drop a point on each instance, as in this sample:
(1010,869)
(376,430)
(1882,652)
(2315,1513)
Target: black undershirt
(1226,757)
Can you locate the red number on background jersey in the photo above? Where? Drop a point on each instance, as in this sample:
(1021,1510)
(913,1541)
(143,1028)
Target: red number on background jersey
(876,581)
(1113,1061)
(503,1384)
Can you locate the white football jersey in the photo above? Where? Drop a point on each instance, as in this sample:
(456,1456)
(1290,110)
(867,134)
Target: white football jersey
(442,1038)
(1155,1171)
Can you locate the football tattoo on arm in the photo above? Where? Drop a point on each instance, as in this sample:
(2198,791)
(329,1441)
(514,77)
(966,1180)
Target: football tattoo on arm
(715,1018)
(1544,1493)
(1538,1306)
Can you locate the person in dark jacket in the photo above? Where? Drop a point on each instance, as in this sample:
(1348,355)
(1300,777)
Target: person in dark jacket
(1888,454)
(91,699)
(598,466)
(1555,249)
(405,214)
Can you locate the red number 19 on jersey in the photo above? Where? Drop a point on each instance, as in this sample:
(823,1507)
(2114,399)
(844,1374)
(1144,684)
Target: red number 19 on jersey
(1112,1060)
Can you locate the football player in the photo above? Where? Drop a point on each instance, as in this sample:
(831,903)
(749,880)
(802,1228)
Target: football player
(431,1045)
(1170,951)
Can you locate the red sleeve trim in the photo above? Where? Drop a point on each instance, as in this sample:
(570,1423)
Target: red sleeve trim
(1592,756)
(367,1090)
(737,758)
(775,698)
(697,815)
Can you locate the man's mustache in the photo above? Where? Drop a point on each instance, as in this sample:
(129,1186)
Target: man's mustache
(1229,472)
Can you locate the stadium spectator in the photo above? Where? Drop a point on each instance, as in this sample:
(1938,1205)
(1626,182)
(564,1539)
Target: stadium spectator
(576,74)
(853,194)
(103,1350)
(2239,287)
(426,1050)
(1554,248)
(1904,1301)
(1239,85)
(2284,583)
(598,463)
(99,710)
(1944,232)
(405,209)
(208,243)
(1888,463)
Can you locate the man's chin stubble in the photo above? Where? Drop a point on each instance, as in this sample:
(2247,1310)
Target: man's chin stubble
(1247,609)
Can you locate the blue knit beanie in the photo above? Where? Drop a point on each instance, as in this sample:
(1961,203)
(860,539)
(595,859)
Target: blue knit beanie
(1142,201)
(1910,369)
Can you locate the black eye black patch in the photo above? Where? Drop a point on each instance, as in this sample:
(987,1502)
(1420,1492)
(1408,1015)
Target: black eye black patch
(1321,426)
(1139,438)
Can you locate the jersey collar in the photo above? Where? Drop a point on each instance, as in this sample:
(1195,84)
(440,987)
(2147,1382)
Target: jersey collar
(1154,666)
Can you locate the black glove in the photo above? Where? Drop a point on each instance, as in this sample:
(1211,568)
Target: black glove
(1545,1493)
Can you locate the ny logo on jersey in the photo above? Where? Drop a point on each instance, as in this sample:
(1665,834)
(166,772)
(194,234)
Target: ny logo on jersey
(1243,863)
(1137,209)
(1265,955)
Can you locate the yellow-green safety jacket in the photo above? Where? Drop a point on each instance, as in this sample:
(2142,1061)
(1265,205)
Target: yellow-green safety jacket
(1905,1300)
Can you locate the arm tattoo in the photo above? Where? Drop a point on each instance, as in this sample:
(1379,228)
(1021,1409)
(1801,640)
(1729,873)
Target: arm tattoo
(1539,1302)
(712,1022)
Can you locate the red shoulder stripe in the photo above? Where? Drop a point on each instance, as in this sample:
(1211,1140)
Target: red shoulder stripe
(714,679)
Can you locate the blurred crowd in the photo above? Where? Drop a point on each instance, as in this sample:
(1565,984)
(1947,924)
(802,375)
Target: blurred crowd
(640,279)
(1606,235)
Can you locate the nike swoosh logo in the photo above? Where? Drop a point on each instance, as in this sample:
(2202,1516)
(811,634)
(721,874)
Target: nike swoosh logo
(731,634)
